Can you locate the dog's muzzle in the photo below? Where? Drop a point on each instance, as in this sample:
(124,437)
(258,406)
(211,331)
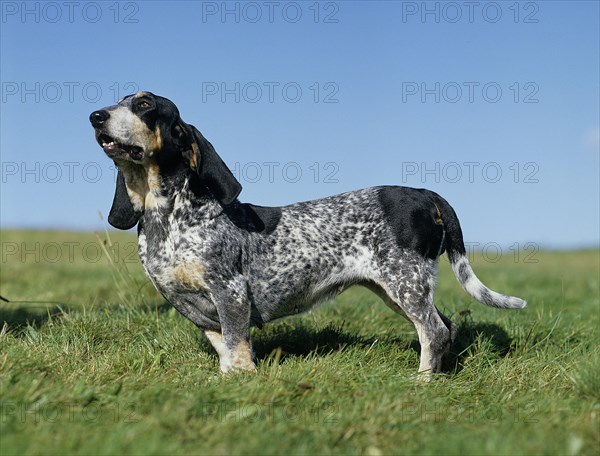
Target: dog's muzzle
(111,146)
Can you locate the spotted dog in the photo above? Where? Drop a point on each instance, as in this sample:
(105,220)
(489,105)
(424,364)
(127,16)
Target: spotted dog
(227,265)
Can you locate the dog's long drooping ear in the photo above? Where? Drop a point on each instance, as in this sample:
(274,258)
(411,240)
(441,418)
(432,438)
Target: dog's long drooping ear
(122,213)
(211,170)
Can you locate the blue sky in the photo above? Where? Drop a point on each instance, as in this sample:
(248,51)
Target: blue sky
(495,106)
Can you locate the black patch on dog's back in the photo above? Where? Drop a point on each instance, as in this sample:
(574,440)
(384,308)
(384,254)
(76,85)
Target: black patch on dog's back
(258,219)
(411,214)
(264,218)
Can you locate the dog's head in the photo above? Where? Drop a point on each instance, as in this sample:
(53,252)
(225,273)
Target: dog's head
(145,130)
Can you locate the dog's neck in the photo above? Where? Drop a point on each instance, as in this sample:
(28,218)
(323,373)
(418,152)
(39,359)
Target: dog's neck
(158,192)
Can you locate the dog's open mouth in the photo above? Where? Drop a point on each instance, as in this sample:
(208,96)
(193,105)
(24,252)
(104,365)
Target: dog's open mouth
(112,147)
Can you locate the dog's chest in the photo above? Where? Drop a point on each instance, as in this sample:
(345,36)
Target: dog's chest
(173,259)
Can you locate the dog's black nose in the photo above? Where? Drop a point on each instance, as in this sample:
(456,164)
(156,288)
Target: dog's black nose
(98,118)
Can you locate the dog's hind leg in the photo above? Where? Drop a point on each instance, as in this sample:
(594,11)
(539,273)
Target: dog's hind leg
(411,295)
(450,325)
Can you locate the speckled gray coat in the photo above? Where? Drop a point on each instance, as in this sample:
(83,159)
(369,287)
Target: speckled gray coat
(227,266)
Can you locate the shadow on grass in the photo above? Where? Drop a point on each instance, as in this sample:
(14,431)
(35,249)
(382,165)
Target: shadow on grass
(17,318)
(467,335)
(160,306)
(302,341)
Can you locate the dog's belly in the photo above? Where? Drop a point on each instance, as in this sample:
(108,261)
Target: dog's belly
(287,304)
(279,291)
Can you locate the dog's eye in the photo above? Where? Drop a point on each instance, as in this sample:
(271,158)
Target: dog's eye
(144,104)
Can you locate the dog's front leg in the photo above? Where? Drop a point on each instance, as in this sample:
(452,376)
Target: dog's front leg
(232,356)
(232,344)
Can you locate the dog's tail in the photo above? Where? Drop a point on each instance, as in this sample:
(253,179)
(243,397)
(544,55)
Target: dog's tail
(455,248)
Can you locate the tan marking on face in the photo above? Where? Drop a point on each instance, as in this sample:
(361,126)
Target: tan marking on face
(128,129)
(136,183)
(194,157)
(155,142)
(142,180)
(153,197)
(158,142)
(148,139)
(153,172)
(190,275)
(438,217)
(143,184)
(136,200)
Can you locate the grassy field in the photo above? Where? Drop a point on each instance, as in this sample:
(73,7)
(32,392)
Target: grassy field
(92,361)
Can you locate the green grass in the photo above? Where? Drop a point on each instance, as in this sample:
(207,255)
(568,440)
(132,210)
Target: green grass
(94,362)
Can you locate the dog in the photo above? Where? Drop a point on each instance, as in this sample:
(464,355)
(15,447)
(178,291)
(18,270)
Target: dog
(228,266)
